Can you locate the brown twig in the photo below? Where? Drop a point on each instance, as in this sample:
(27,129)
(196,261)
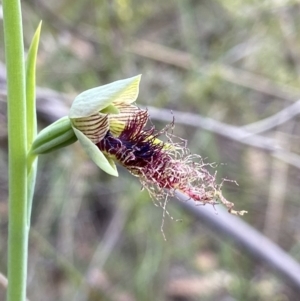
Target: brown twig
(246,237)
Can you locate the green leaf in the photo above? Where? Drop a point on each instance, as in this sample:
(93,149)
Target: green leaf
(31,179)
(31,120)
(96,155)
(30,87)
(97,99)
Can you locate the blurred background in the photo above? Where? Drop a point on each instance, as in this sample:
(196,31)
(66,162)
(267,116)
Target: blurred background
(234,66)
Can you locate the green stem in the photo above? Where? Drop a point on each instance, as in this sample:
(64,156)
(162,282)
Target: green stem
(16,111)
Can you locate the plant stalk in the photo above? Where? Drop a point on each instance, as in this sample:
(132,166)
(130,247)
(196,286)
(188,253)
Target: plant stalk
(16,112)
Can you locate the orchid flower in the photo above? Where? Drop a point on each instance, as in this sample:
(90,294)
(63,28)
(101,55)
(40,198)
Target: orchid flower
(104,109)
(112,129)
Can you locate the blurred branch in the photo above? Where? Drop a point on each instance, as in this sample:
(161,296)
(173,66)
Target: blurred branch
(273,121)
(236,76)
(230,227)
(4,282)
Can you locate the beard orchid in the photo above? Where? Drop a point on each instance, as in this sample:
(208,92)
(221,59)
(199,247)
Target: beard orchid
(112,129)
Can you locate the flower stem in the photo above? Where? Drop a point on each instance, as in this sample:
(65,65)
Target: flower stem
(16,111)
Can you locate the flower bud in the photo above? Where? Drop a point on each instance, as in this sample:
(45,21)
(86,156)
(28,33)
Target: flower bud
(54,136)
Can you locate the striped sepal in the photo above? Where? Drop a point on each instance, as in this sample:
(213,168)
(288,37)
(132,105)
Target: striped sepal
(93,127)
(128,113)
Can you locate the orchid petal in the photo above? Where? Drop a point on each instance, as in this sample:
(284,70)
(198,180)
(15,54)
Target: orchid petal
(93,127)
(131,93)
(95,154)
(111,109)
(94,100)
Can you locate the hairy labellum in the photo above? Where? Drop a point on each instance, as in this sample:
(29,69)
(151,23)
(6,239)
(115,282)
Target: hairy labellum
(162,167)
